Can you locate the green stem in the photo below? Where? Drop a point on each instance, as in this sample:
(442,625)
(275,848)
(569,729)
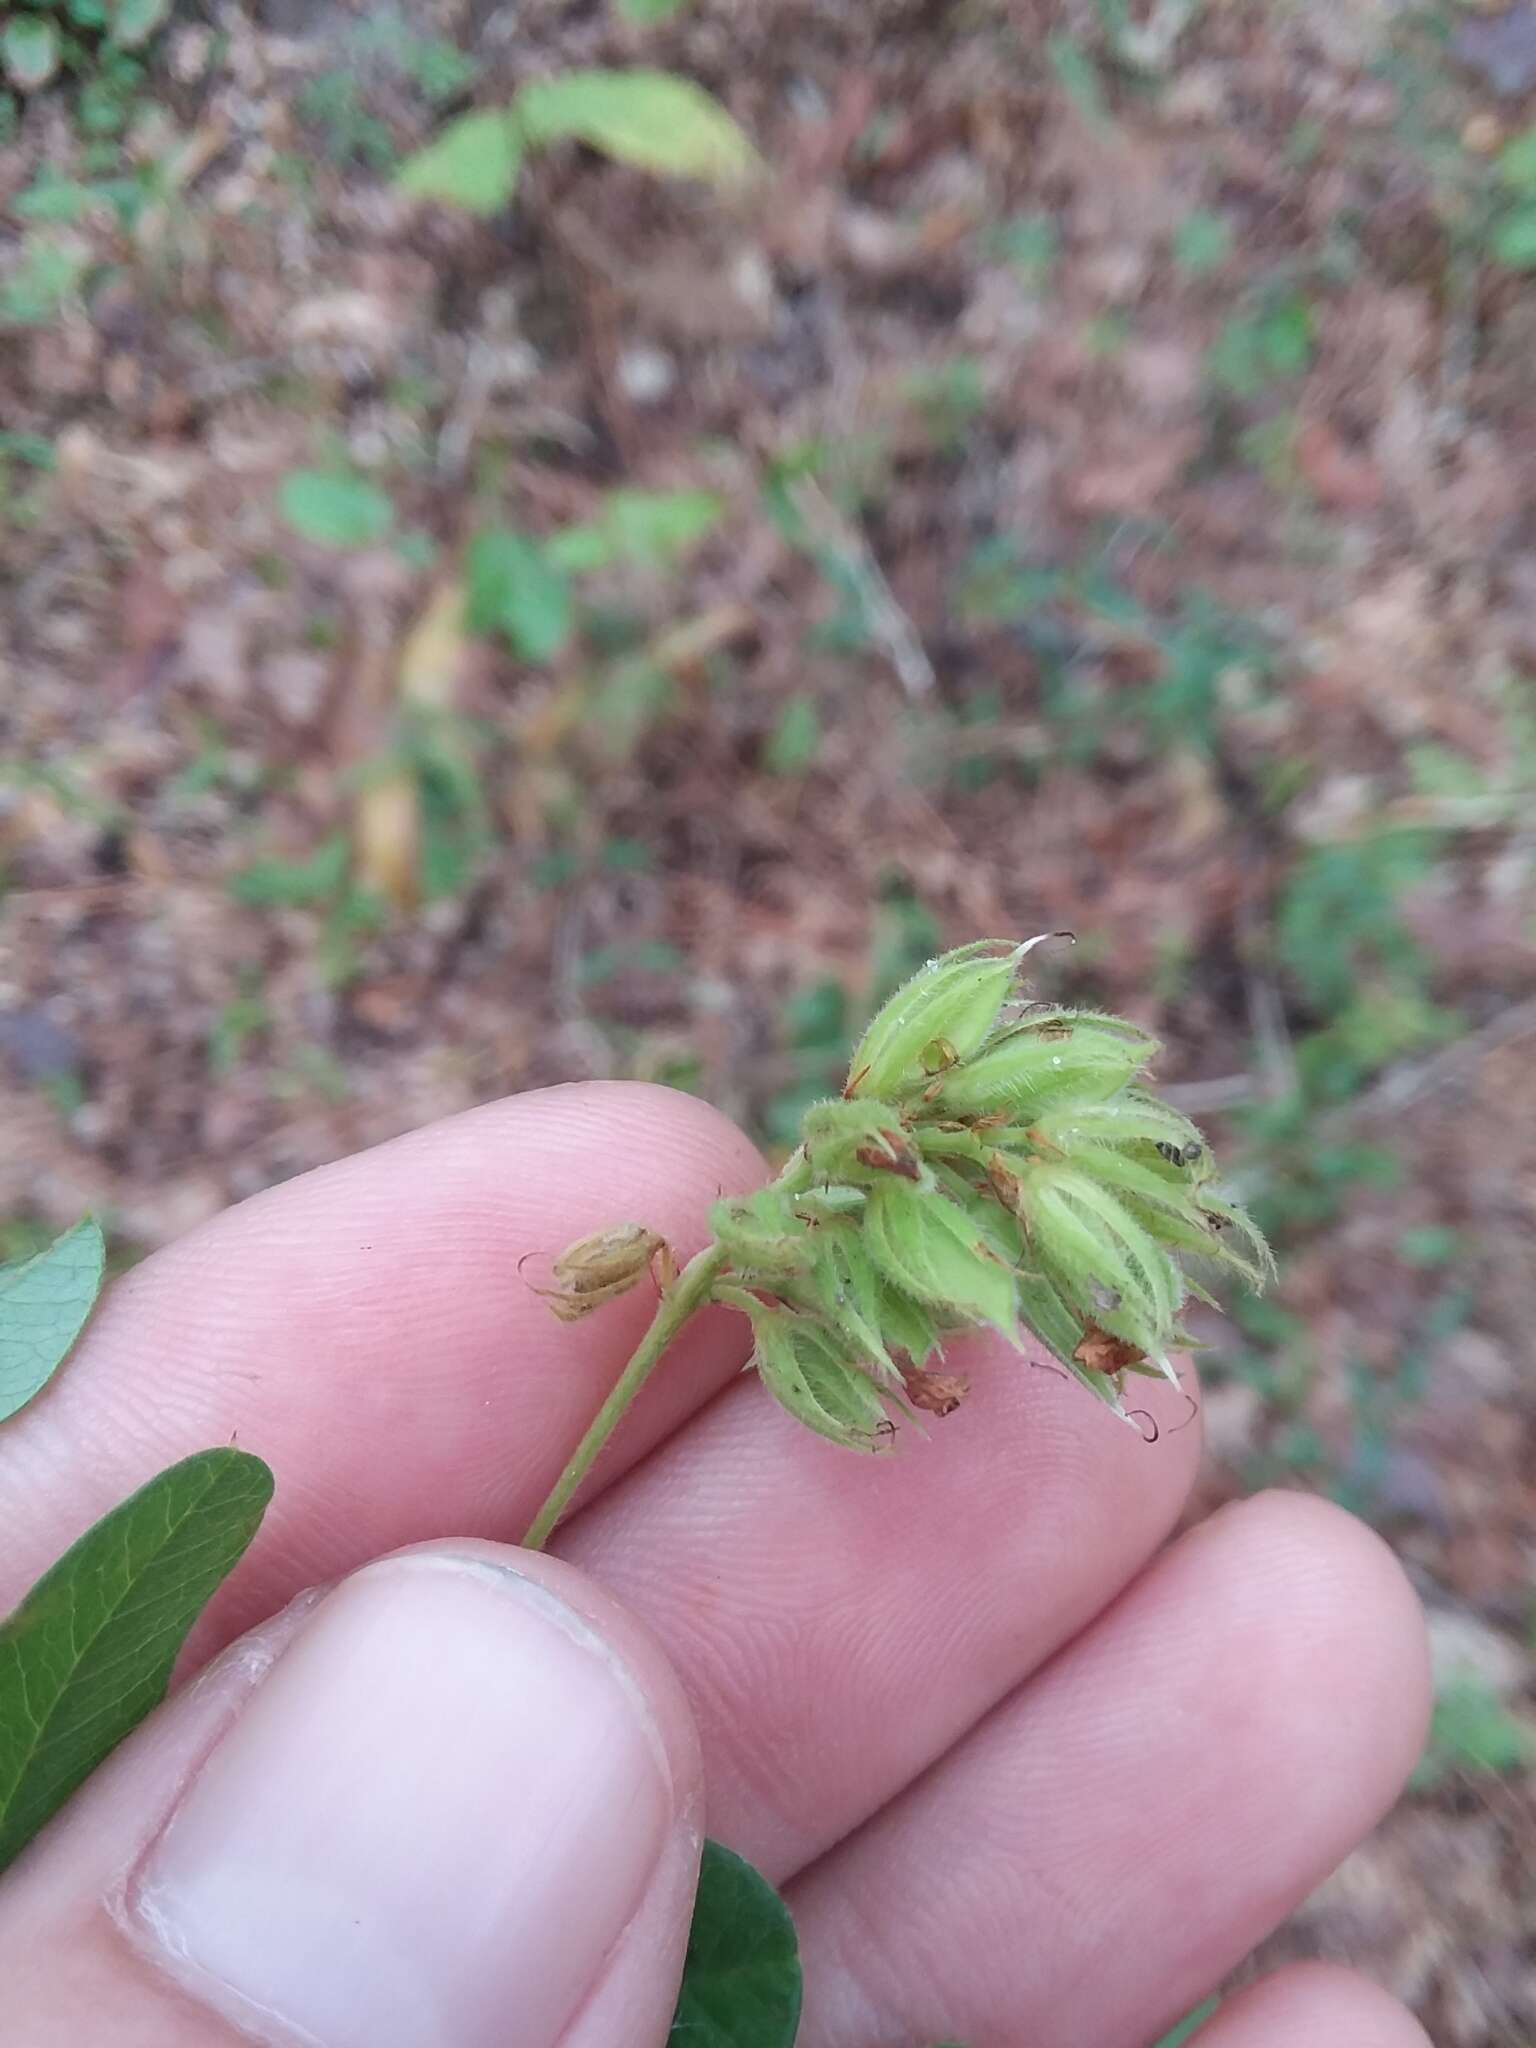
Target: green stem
(688,1292)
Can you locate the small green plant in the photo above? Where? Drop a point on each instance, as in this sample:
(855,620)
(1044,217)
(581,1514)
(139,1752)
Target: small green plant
(1202,242)
(335,104)
(1512,238)
(42,39)
(796,739)
(1473,1734)
(513,590)
(991,1163)
(47,273)
(95,48)
(335,508)
(1268,345)
(651,119)
(1028,242)
(1073,618)
(648,12)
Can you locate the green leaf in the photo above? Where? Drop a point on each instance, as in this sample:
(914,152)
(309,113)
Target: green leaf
(1514,240)
(1473,1734)
(335,508)
(512,589)
(89,1651)
(29,52)
(58,201)
(741,1981)
(474,163)
(135,21)
(648,528)
(647,11)
(1202,242)
(44,1303)
(648,118)
(1517,161)
(796,740)
(929,1248)
(294,884)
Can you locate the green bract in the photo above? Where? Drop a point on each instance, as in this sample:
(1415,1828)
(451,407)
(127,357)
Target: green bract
(993,1162)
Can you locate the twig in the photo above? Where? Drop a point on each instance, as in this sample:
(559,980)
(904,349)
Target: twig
(1266,1018)
(1205,1098)
(888,623)
(1409,1084)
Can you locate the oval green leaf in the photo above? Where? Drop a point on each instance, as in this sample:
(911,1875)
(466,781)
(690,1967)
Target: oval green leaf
(135,21)
(44,1303)
(649,118)
(29,52)
(473,163)
(511,588)
(741,1981)
(1514,239)
(89,1651)
(334,509)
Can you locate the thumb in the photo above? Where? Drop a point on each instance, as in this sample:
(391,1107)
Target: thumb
(452,1803)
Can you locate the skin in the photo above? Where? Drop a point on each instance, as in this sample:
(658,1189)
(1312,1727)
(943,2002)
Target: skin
(1028,1770)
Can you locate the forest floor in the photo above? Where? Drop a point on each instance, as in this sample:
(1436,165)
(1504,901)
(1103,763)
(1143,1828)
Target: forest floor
(1089,481)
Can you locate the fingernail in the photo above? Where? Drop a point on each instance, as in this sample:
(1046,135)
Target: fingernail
(427,1828)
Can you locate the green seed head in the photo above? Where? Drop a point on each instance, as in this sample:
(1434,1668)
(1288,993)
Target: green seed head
(994,1162)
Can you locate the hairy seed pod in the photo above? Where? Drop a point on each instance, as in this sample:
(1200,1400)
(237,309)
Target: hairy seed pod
(599,1268)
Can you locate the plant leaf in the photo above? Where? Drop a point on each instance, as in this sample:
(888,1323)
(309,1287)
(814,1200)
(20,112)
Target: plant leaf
(929,1248)
(1513,241)
(89,1651)
(44,1303)
(29,52)
(1517,161)
(135,21)
(512,589)
(648,118)
(474,162)
(796,740)
(741,1981)
(294,884)
(648,528)
(334,508)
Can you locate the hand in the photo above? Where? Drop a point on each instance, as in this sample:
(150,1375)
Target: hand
(1030,1778)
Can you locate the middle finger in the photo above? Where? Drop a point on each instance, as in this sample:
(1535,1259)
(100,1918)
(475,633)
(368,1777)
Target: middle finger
(839,1621)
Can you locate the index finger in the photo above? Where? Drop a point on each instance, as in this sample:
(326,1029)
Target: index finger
(367,1330)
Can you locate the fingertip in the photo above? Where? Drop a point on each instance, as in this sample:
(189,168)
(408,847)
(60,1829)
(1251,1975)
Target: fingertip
(682,1133)
(1349,1628)
(1313,2005)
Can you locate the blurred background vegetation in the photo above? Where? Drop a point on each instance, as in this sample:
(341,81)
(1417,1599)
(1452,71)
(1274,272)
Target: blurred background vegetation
(1082,475)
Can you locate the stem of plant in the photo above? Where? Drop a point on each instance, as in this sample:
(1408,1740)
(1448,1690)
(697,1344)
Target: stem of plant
(688,1292)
